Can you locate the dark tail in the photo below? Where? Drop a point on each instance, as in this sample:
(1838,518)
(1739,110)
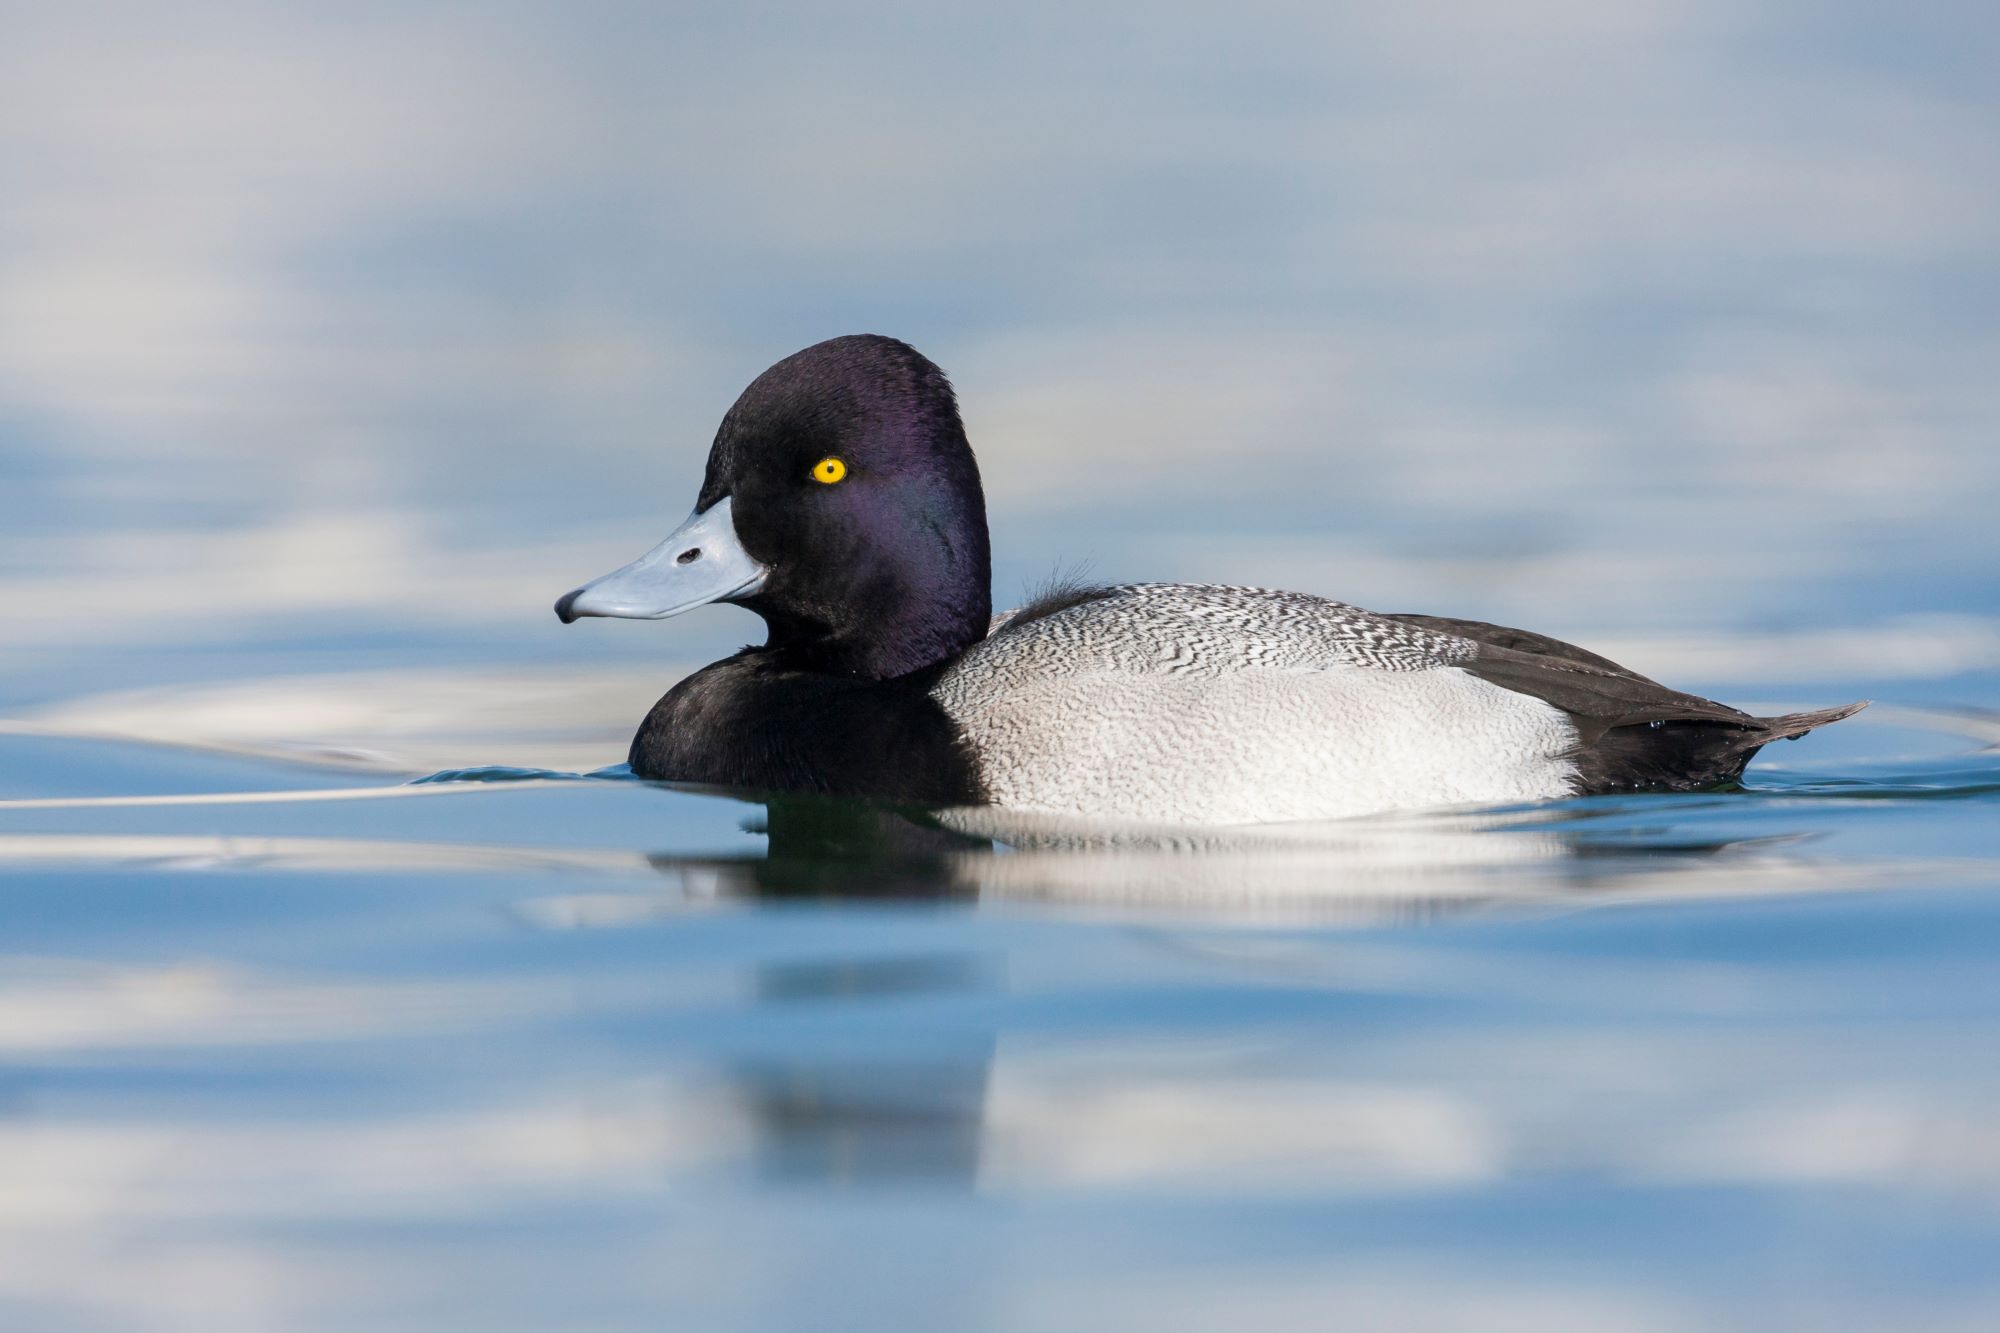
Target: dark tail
(1691,754)
(1794,725)
(1632,734)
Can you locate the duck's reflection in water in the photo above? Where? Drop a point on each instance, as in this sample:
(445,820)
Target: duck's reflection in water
(1384,869)
(833,1117)
(830,1116)
(832,1110)
(825,848)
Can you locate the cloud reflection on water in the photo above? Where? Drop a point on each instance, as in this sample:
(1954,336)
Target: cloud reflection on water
(461,1102)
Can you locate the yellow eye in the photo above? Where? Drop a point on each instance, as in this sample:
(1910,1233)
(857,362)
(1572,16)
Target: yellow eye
(829,470)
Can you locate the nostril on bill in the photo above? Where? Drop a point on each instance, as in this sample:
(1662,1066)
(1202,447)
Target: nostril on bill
(689,556)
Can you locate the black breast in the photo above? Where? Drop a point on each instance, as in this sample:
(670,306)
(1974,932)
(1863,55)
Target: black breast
(750,721)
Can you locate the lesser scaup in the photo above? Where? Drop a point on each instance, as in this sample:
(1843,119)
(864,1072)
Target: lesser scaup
(842,504)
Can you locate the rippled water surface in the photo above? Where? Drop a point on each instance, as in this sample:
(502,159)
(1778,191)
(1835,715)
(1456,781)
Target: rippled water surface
(295,1046)
(347,984)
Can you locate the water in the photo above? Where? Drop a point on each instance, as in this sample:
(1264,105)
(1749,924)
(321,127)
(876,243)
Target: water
(347,983)
(298,1047)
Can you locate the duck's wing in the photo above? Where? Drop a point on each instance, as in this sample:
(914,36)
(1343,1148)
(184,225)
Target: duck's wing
(1212,629)
(1206,703)
(1520,640)
(1633,733)
(1596,692)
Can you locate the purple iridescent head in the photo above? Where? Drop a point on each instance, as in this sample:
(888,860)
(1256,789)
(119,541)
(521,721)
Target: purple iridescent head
(842,504)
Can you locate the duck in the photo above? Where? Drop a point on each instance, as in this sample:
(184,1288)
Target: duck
(842,504)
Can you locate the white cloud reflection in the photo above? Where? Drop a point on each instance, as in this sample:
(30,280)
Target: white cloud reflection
(299,1213)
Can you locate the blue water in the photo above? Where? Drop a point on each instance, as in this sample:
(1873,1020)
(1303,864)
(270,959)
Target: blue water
(517,1050)
(346,983)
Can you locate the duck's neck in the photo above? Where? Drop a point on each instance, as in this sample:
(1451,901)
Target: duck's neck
(901,631)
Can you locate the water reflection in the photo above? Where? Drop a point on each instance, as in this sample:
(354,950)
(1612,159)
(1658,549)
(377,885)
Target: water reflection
(972,1108)
(374,1012)
(847,1123)
(325,337)
(1386,869)
(958,1108)
(912,1116)
(761,1101)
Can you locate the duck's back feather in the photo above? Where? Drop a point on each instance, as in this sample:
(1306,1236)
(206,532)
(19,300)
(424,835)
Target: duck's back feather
(1219,704)
(1201,703)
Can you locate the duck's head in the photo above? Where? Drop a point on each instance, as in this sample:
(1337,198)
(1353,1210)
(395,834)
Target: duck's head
(842,505)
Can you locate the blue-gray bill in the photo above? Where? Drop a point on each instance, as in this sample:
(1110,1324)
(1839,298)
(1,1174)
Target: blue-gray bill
(701,561)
